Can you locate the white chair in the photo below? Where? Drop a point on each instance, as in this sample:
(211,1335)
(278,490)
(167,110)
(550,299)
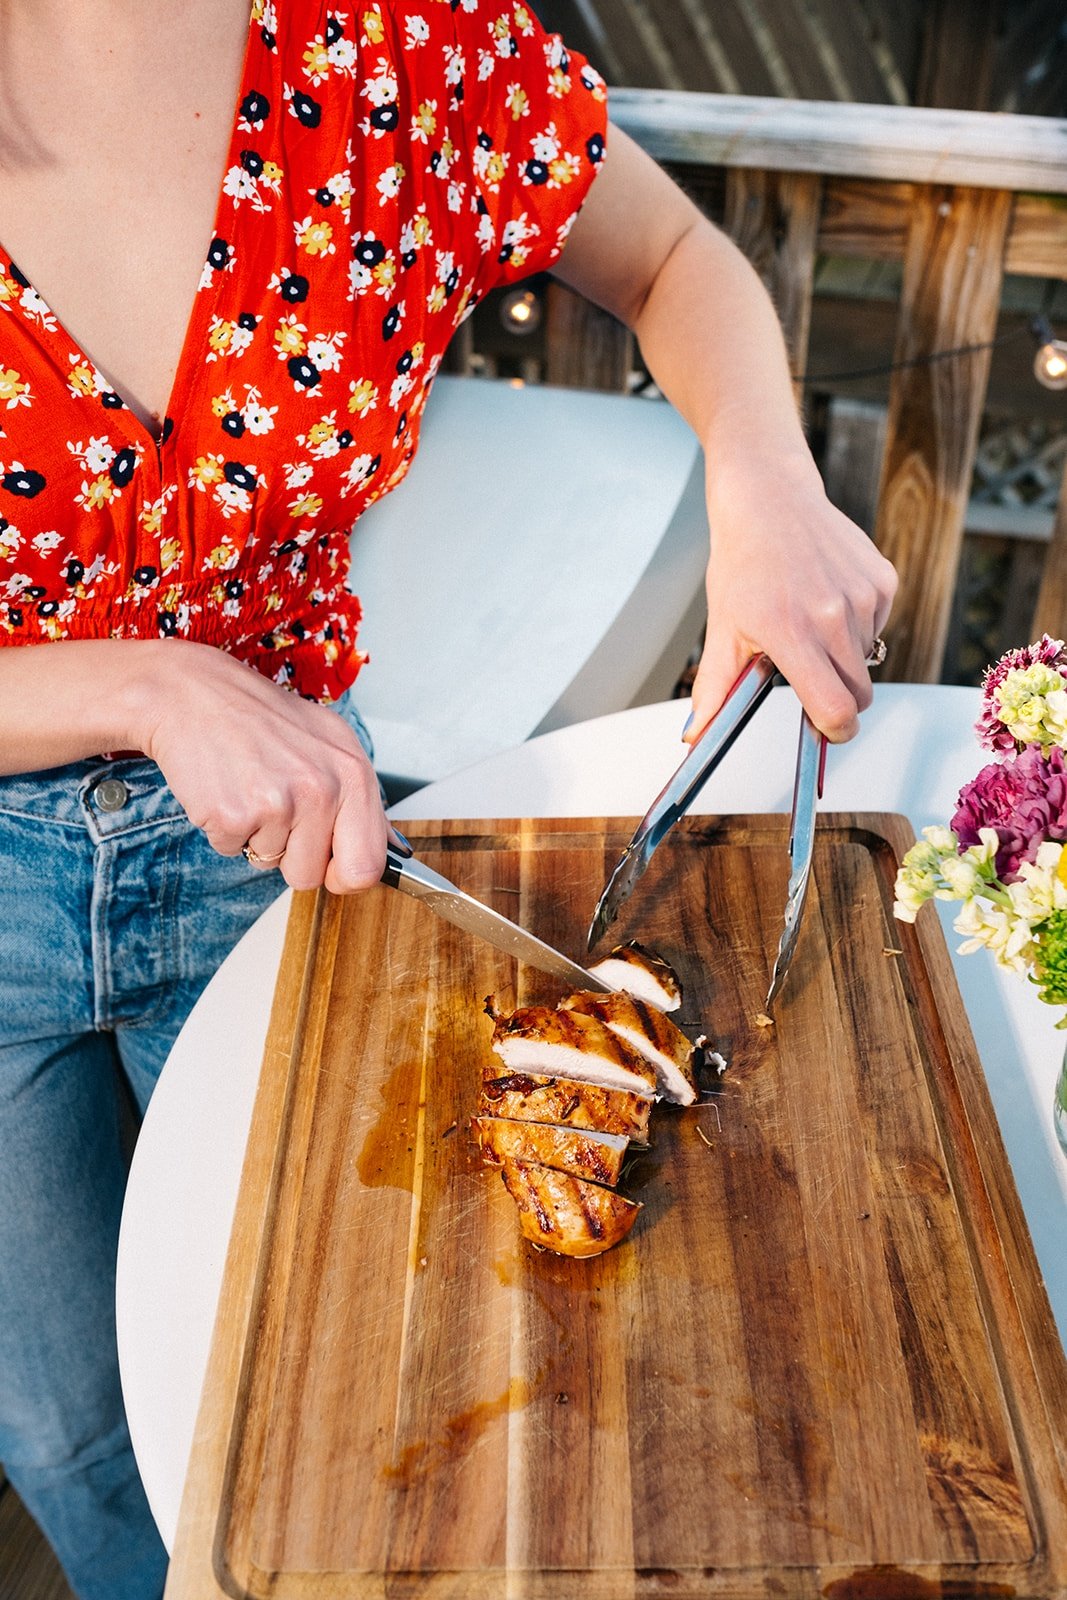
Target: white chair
(542,563)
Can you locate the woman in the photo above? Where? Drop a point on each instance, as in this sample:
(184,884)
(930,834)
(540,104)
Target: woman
(176,490)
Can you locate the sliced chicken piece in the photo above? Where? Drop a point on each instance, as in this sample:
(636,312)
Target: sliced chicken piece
(596,1156)
(641,973)
(650,1033)
(568,1044)
(567,1214)
(532,1097)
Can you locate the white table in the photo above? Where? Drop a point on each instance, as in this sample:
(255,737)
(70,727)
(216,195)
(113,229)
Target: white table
(915,752)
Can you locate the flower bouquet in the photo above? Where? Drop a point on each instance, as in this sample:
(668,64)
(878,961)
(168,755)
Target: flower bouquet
(1004,856)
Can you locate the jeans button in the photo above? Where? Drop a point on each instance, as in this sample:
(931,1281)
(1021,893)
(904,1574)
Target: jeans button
(111,794)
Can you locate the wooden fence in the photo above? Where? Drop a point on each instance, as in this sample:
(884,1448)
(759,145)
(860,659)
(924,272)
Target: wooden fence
(961,199)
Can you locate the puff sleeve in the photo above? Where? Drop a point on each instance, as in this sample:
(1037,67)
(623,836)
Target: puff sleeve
(535,121)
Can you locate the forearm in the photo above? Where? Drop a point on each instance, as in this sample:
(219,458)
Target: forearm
(713,343)
(72,699)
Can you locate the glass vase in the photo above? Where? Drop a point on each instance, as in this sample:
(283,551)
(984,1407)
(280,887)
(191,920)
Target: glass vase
(1059,1104)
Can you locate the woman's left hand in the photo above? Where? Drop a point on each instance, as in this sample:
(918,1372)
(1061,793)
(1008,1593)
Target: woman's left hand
(790,575)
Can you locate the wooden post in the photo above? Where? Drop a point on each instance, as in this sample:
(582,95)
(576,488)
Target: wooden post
(585,348)
(1050,614)
(949,299)
(774,218)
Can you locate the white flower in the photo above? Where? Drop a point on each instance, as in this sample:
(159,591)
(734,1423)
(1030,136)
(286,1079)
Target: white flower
(417,30)
(992,928)
(239,184)
(258,418)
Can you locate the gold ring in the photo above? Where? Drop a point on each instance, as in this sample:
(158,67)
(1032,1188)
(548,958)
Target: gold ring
(256,860)
(877,653)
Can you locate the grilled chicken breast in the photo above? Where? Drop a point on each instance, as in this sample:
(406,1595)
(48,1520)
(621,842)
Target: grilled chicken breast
(569,1044)
(596,1156)
(567,1214)
(532,1097)
(641,973)
(649,1032)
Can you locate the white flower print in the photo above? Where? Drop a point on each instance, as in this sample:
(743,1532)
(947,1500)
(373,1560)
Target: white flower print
(343,56)
(417,30)
(239,184)
(325,351)
(486,65)
(298,474)
(44,542)
(36,309)
(381,90)
(388,184)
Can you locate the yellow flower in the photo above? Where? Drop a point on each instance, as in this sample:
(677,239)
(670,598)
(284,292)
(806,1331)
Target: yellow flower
(11,384)
(560,170)
(420,227)
(426,118)
(362,397)
(223,556)
(559,83)
(372,26)
(208,470)
(418,350)
(316,60)
(319,432)
(522,18)
(170,551)
(495,167)
(289,336)
(517,102)
(384,274)
(309,505)
(9,288)
(80,379)
(220,336)
(436,298)
(222,405)
(272,172)
(99,492)
(316,239)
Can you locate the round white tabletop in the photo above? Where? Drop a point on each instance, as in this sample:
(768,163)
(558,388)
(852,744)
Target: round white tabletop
(916,750)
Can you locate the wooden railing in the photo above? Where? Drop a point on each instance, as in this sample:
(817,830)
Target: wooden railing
(960,198)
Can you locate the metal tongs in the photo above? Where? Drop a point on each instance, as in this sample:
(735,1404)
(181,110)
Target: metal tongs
(740,705)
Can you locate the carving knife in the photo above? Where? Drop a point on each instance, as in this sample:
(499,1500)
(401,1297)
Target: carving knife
(454,905)
(807,790)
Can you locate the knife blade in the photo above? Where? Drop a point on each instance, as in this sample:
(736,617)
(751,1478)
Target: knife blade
(807,788)
(682,788)
(413,877)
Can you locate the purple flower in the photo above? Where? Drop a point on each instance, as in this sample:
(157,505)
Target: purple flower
(990,730)
(1023,798)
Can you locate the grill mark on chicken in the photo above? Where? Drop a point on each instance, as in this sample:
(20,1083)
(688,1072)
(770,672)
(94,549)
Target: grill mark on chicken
(536,1038)
(566,1214)
(648,1031)
(595,1156)
(560,1100)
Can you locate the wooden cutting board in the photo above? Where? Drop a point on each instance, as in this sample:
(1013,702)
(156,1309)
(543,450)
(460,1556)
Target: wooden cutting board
(823,1363)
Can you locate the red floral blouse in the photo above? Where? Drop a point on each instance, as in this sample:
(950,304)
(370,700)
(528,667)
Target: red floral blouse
(388,166)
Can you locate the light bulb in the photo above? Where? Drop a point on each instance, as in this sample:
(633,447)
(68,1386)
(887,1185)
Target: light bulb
(520,311)
(1050,364)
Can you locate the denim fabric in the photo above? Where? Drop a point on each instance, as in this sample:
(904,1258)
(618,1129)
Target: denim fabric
(111,922)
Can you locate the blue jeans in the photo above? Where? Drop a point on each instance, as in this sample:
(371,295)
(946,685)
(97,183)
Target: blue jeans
(114,913)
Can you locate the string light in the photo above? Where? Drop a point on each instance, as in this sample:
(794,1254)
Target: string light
(1050,363)
(809,379)
(520,311)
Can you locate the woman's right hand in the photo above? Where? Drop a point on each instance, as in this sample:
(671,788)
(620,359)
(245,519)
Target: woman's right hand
(252,763)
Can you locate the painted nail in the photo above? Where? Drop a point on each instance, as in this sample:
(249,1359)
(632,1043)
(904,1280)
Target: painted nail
(688,724)
(400,843)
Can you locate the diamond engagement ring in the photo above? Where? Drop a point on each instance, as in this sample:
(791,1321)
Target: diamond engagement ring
(877,653)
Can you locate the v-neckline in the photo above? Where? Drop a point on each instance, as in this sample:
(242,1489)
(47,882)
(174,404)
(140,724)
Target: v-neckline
(194,320)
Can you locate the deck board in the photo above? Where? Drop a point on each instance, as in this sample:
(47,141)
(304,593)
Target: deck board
(28,1569)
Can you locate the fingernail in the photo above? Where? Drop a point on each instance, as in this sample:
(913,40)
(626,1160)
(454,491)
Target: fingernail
(400,843)
(688,724)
